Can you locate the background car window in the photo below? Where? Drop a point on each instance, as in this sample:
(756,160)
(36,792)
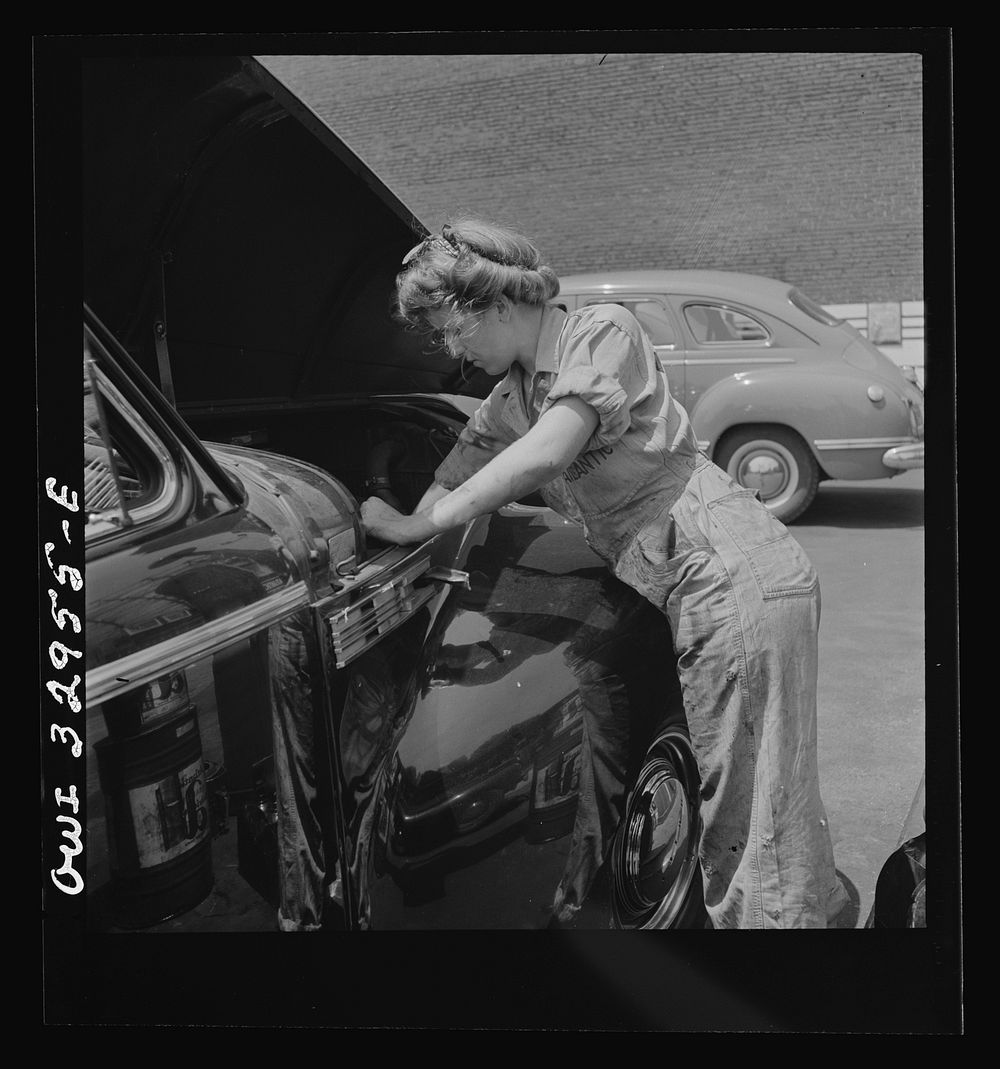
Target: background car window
(653,318)
(715,323)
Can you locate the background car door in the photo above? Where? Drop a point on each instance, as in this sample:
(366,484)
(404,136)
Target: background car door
(659,323)
(718,339)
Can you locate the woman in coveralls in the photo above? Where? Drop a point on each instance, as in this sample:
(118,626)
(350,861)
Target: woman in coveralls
(584,415)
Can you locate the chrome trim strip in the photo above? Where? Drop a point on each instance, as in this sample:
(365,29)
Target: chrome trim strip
(694,361)
(355,620)
(861,443)
(137,669)
(367,626)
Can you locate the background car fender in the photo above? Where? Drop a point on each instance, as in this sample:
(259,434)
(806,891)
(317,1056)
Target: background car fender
(819,406)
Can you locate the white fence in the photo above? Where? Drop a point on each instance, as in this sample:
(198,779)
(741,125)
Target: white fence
(896,328)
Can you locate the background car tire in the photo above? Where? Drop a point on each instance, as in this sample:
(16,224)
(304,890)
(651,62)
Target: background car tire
(655,873)
(774,461)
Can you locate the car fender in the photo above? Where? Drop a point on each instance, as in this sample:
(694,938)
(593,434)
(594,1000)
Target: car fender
(459,803)
(830,409)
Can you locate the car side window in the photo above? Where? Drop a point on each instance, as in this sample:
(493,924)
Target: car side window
(128,475)
(652,316)
(716,323)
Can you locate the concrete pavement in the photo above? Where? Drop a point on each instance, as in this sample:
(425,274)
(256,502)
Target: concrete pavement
(867,542)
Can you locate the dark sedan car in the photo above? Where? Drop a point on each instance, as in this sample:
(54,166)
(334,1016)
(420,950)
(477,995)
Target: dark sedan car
(287,724)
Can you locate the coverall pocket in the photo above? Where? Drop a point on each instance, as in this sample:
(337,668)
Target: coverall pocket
(779,564)
(651,564)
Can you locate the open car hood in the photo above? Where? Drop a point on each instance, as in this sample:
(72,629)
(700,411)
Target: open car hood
(237,247)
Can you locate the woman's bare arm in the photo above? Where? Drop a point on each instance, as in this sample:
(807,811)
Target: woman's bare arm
(434,493)
(533,460)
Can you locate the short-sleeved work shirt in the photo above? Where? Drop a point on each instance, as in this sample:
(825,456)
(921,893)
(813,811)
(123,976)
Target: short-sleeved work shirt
(643,450)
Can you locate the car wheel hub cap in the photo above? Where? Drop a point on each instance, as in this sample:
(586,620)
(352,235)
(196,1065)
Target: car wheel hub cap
(764,472)
(657,838)
(654,860)
(766,467)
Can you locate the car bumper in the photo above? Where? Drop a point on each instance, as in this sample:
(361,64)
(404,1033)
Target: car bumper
(903,457)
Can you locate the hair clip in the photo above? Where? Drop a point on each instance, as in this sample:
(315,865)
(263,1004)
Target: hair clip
(432,240)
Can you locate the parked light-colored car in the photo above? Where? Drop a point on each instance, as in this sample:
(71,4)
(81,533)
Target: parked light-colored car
(781,393)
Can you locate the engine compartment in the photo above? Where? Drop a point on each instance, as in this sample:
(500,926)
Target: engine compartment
(393,447)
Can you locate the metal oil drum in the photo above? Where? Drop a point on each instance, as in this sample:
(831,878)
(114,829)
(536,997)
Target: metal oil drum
(159,826)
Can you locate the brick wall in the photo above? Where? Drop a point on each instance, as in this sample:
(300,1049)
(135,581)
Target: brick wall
(803,166)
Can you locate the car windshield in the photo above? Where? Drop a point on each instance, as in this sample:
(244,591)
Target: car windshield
(811,308)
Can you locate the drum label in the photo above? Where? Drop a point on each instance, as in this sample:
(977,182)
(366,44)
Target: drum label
(169,816)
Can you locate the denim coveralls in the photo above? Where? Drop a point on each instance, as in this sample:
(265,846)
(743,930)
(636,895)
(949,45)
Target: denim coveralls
(741,597)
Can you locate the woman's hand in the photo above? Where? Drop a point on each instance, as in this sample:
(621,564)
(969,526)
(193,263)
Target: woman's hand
(385,523)
(525,465)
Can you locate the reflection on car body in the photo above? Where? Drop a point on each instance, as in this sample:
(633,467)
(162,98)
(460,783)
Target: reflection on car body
(287,725)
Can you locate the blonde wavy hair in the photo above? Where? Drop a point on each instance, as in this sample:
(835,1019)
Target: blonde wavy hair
(467,268)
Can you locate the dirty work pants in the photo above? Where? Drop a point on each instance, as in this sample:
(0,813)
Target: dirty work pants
(743,603)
